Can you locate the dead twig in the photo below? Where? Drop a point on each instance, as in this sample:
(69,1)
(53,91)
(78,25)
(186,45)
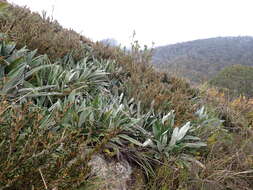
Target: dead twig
(43,179)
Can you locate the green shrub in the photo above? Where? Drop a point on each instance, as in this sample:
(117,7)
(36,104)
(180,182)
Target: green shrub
(30,152)
(77,98)
(238,79)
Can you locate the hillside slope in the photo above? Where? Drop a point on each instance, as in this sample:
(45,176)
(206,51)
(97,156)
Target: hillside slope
(72,101)
(201,59)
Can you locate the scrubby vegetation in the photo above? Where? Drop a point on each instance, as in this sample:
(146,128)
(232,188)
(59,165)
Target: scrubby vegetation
(62,104)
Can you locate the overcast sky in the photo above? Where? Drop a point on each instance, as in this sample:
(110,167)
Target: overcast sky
(159,21)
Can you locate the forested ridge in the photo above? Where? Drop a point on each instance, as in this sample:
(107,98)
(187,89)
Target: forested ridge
(201,60)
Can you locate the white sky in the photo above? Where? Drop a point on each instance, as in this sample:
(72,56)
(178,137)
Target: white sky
(160,21)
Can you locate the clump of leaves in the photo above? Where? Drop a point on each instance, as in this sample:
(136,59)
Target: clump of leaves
(24,76)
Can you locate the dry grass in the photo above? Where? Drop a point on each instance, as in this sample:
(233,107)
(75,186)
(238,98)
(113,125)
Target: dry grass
(237,112)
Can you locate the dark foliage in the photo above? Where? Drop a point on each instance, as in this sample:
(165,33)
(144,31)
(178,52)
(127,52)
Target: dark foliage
(238,79)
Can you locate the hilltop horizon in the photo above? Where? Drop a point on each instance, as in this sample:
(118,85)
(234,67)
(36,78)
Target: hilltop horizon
(207,38)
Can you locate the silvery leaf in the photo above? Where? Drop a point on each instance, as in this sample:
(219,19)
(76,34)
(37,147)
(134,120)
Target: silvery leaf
(166,117)
(195,145)
(183,130)
(174,135)
(189,137)
(147,143)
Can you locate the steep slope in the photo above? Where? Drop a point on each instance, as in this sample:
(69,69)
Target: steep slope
(201,59)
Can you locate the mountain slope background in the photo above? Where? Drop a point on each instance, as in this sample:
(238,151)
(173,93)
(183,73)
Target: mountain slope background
(201,60)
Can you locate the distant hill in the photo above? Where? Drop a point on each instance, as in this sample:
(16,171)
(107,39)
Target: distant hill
(201,60)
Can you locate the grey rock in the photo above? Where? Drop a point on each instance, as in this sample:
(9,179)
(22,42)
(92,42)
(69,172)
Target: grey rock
(113,174)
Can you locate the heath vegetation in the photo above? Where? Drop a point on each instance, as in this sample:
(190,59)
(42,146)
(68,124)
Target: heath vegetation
(65,99)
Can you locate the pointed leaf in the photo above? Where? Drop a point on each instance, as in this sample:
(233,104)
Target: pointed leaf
(174,135)
(183,130)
